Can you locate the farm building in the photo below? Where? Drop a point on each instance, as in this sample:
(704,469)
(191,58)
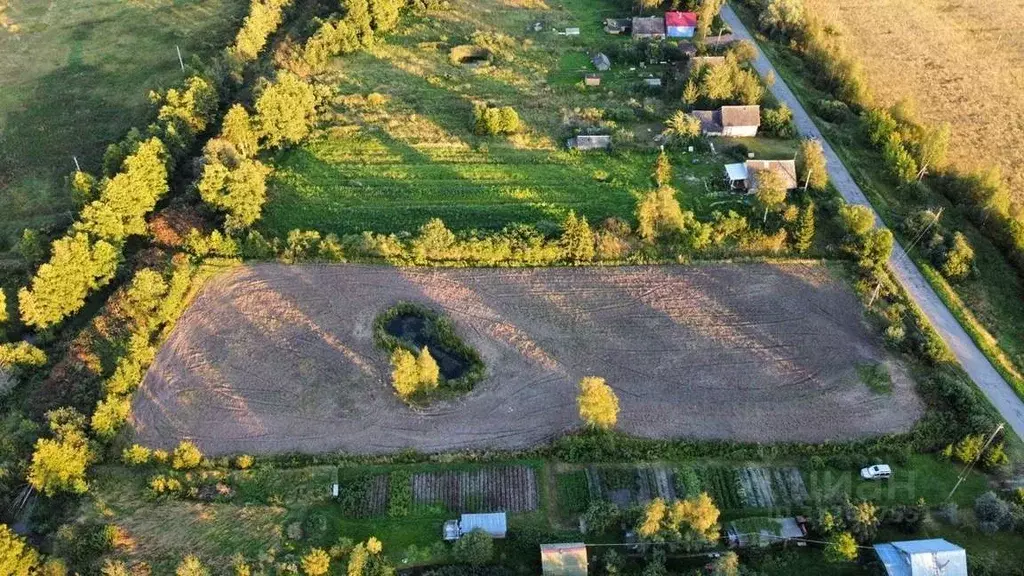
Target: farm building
(740,535)
(584,142)
(653,82)
(601,62)
(495,524)
(592,80)
(618,25)
(922,558)
(680,24)
(648,27)
(564,559)
(743,176)
(731,121)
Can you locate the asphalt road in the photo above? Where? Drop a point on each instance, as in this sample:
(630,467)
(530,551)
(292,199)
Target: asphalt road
(971,358)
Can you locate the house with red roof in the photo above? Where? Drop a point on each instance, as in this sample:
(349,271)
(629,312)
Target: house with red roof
(680,24)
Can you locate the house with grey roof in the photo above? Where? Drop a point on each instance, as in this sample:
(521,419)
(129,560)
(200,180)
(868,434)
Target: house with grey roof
(648,27)
(731,121)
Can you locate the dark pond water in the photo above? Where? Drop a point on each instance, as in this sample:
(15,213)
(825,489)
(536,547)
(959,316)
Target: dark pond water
(416,330)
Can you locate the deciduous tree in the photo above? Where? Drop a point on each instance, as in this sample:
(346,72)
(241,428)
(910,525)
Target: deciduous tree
(17,558)
(427,370)
(316,562)
(59,463)
(240,131)
(186,456)
(286,110)
(77,266)
(811,166)
(841,548)
(598,404)
(475,548)
(233,184)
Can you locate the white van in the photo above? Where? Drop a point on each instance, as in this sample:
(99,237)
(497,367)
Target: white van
(876,472)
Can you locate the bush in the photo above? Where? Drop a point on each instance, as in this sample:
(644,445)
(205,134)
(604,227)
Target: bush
(136,455)
(834,111)
(475,548)
(778,122)
(243,462)
(491,120)
(993,513)
(186,456)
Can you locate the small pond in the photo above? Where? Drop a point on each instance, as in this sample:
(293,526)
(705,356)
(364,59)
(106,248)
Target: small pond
(419,331)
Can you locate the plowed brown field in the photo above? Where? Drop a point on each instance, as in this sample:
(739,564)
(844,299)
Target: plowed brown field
(274,358)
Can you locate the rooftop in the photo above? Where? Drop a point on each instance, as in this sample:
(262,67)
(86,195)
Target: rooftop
(648,26)
(683,19)
(741,116)
(923,558)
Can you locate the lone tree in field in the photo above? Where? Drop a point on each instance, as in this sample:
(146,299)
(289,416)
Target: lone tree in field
(811,166)
(577,239)
(598,404)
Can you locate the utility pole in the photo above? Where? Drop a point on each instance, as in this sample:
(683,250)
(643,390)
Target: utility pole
(967,469)
(77,167)
(180,61)
(807,180)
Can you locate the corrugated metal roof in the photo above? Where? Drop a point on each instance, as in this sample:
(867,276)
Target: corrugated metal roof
(493,523)
(934,557)
(736,171)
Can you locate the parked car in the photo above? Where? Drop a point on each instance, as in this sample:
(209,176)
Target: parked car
(876,472)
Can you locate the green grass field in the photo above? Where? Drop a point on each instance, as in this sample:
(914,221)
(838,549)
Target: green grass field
(75,76)
(399,148)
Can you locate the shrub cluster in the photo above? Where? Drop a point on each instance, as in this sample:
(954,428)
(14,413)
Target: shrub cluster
(492,120)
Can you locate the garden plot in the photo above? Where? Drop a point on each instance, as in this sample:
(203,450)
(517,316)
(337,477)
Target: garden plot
(511,489)
(273,358)
(771,487)
(633,485)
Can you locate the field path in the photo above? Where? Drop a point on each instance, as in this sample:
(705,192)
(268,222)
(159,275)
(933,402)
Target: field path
(971,358)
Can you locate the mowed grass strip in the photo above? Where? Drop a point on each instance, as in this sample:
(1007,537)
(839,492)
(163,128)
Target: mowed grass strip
(75,77)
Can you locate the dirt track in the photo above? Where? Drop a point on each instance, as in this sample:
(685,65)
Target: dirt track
(274,358)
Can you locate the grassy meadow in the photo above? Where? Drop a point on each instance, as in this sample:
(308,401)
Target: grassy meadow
(955,60)
(399,148)
(75,76)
